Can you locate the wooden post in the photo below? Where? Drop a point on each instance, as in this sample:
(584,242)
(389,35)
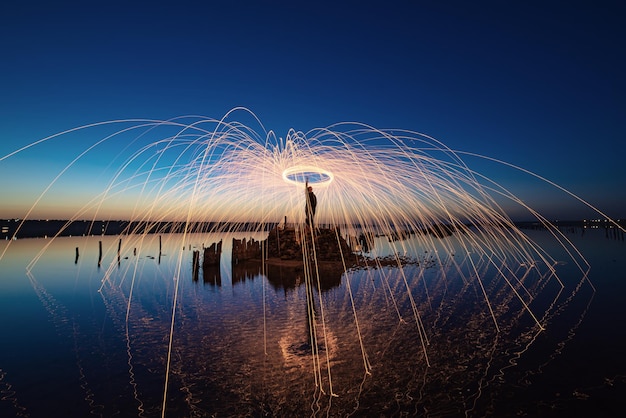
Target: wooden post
(159,249)
(195,265)
(100,254)
(212,255)
(76,260)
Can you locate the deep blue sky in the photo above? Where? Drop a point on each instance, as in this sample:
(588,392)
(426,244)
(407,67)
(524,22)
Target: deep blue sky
(537,84)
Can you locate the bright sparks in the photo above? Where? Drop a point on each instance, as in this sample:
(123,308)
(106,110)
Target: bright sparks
(406,193)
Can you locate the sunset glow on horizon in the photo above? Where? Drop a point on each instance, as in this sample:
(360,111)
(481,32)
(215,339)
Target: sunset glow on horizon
(221,170)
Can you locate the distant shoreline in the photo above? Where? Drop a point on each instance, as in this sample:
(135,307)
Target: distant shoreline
(50,228)
(15,228)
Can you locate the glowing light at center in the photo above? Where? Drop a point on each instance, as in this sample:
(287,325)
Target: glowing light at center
(301,174)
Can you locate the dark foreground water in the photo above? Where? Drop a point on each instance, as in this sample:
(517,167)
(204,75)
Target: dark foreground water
(142,336)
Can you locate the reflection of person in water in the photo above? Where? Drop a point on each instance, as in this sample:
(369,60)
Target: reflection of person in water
(311,204)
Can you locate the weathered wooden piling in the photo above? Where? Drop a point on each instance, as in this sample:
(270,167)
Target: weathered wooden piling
(195,265)
(100,253)
(76,259)
(245,250)
(212,254)
(210,264)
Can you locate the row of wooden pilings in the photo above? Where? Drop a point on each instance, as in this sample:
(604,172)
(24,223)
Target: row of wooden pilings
(242,250)
(119,250)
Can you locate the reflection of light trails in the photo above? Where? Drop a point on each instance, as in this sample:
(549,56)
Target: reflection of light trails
(8,394)
(449,305)
(61,320)
(208,175)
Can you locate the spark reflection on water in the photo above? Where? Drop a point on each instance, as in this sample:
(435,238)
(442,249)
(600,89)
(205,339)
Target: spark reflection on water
(455,296)
(243,347)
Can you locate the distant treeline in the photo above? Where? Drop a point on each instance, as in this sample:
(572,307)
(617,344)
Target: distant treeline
(12,228)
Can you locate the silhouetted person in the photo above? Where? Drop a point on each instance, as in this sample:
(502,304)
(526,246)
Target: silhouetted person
(311,204)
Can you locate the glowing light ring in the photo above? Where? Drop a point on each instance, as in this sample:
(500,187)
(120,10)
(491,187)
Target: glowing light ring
(315,175)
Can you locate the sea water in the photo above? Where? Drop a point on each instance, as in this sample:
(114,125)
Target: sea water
(136,333)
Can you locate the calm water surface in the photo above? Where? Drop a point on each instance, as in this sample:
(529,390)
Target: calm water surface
(80,339)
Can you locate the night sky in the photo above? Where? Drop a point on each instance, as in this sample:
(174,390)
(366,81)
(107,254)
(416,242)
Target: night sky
(540,85)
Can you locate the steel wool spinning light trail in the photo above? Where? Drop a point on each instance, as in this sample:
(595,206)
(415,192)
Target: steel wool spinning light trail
(406,195)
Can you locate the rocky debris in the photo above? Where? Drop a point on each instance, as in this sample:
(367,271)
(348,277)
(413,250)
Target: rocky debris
(326,244)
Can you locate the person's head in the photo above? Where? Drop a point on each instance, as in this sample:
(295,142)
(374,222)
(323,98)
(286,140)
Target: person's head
(310,188)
